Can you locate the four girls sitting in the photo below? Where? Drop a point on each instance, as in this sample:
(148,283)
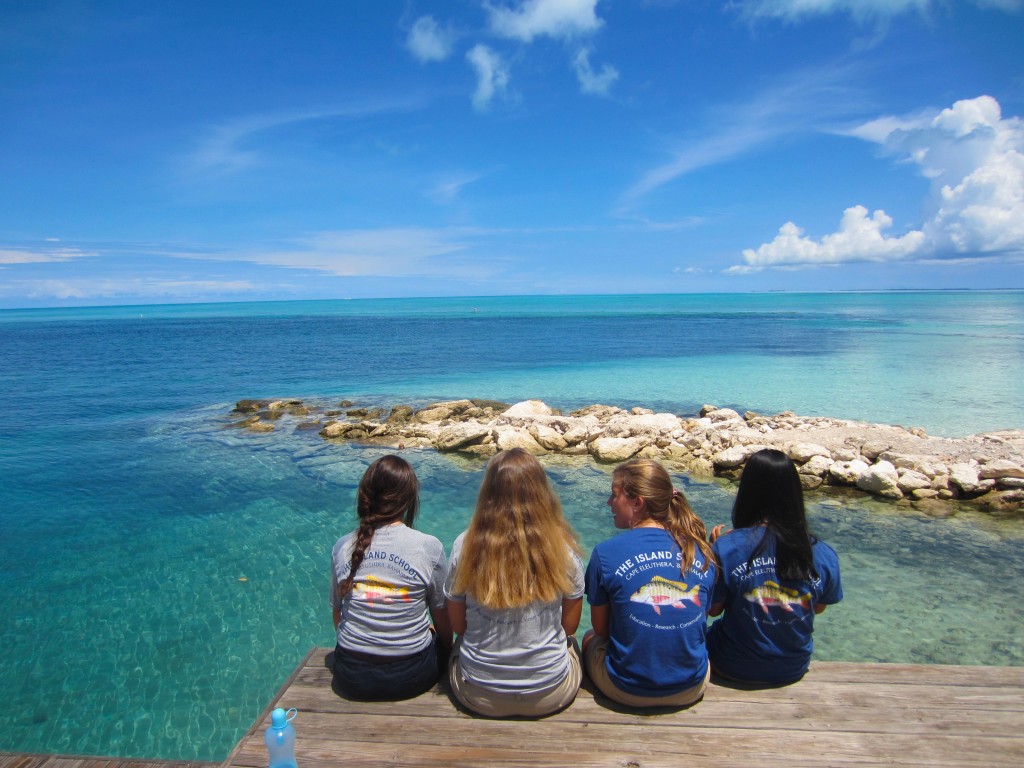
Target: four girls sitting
(513,591)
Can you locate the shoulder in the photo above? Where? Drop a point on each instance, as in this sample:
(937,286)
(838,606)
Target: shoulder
(343,542)
(457,545)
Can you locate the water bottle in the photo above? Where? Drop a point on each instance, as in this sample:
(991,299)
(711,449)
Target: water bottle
(280,739)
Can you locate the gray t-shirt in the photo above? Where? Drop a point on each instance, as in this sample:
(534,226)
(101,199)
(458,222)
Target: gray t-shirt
(385,612)
(521,650)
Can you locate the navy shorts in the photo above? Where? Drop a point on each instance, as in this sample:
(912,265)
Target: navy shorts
(360,678)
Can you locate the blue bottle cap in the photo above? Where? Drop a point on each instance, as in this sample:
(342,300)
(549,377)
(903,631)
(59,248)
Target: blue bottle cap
(279,718)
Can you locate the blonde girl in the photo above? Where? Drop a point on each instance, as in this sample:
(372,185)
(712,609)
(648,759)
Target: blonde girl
(649,590)
(514,595)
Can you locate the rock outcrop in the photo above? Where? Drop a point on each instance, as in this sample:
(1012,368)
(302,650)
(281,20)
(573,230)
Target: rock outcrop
(888,462)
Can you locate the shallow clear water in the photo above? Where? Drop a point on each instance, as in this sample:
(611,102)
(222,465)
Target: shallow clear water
(161,574)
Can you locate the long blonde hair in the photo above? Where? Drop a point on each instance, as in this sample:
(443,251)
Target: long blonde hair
(646,479)
(518,544)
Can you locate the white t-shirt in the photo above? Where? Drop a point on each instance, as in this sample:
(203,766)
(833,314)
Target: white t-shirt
(521,650)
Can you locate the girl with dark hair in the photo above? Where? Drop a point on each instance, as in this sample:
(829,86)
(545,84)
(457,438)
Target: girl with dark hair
(515,596)
(649,589)
(386,586)
(776,577)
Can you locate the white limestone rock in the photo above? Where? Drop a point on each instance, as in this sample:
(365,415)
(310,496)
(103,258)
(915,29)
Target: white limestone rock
(881,479)
(911,480)
(801,452)
(730,458)
(456,436)
(616,449)
(999,469)
(847,472)
(816,466)
(551,439)
(507,438)
(528,408)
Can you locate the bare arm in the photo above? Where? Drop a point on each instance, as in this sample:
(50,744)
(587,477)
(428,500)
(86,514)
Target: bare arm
(443,625)
(819,608)
(337,619)
(456,616)
(716,609)
(572,611)
(600,619)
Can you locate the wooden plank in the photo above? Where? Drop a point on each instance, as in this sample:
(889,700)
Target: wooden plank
(34,760)
(842,714)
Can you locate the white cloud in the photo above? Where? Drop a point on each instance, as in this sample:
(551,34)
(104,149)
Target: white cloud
(491,76)
(975,160)
(591,81)
(859,10)
(41,255)
(564,19)
(859,238)
(428,41)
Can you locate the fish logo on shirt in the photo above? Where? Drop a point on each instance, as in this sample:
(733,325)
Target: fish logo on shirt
(375,590)
(771,594)
(661,592)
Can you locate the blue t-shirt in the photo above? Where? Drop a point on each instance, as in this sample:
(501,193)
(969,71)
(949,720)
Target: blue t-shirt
(657,615)
(765,633)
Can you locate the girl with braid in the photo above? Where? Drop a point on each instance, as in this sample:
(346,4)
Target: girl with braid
(386,587)
(649,590)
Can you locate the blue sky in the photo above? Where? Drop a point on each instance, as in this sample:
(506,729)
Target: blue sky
(155,152)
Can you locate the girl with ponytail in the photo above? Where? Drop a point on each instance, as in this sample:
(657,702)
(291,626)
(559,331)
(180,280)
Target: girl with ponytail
(776,576)
(649,590)
(386,586)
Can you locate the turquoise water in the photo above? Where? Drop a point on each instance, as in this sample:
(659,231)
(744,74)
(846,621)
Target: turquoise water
(160,574)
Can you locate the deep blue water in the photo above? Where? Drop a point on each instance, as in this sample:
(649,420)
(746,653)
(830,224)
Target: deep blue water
(161,574)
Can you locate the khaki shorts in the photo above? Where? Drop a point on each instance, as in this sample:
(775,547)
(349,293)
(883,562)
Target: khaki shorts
(490,703)
(597,669)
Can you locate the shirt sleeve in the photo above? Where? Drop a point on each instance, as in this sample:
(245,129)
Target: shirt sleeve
(453,564)
(828,569)
(578,579)
(333,592)
(435,589)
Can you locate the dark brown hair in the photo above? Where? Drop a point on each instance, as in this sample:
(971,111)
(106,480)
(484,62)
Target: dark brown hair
(388,492)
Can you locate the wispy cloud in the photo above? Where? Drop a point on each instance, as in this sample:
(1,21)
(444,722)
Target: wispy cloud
(491,76)
(591,81)
(808,102)
(560,19)
(429,41)
(399,252)
(125,288)
(241,143)
(974,158)
(860,10)
(42,254)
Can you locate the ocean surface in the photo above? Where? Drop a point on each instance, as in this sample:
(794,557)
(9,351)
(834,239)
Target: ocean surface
(161,573)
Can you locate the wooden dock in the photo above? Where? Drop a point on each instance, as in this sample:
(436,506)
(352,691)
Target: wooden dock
(840,714)
(25,760)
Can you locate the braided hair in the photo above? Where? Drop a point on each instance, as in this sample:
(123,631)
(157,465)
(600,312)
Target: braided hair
(388,492)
